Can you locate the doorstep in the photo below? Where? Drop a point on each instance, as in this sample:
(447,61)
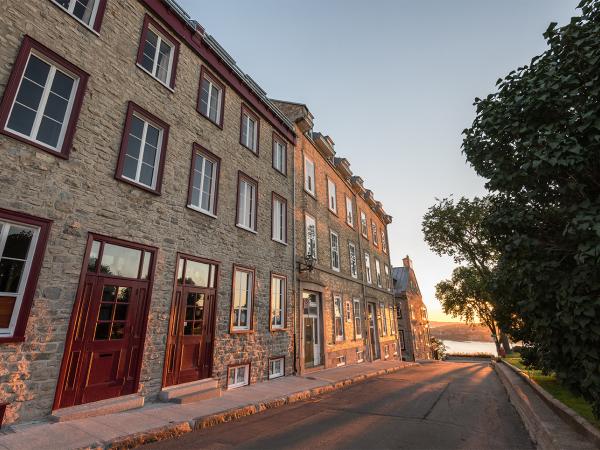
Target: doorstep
(191,392)
(99,408)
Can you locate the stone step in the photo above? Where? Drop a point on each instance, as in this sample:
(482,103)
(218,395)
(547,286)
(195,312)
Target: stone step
(194,387)
(197,396)
(99,408)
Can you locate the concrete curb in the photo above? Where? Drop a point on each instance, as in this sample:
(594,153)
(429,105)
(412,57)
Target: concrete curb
(177,429)
(580,424)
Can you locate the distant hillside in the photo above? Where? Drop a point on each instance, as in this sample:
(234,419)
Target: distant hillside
(456,331)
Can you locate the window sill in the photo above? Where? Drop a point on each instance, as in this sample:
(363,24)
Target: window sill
(279,242)
(137,185)
(38,145)
(165,85)
(332,211)
(254,152)
(201,211)
(217,124)
(242,227)
(284,174)
(312,194)
(241,331)
(335,270)
(278,330)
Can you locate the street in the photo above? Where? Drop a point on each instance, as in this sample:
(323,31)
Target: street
(450,405)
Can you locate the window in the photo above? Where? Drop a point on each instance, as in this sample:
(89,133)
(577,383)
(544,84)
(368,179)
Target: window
(399,313)
(88,12)
(374,233)
(386,351)
(276,368)
(360,355)
(309,176)
(379,319)
(311,236)
(279,219)
(42,100)
(278,301)
(364,230)
(388,279)
(352,256)
(158,52)
(377,272)
(383,241)
(246,203)
(210,98)
(349,212)
(338,321)
(392,325)
(238,376)
(335,251)
(340,360)
(22,243)
(395,347)
(368,267)
(279,155)
(204,181)
(143,147)
(249,130)
(348,311)
(382,311)
(243,296)
(402,344)
(357,319)
(331,193)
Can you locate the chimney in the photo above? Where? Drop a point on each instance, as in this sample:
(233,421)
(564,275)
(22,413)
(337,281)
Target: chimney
(407,262)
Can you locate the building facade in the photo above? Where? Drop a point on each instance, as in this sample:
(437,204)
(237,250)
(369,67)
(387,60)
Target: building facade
(345,302)
(145,209)
(413,323)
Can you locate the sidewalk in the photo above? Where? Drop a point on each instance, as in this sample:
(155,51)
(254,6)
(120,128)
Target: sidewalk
(156,421)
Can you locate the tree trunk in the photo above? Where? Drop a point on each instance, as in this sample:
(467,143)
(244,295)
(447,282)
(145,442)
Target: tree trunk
(505,343)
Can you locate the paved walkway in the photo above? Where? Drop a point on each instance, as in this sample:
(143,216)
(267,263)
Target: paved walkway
(102,431)
(437,405)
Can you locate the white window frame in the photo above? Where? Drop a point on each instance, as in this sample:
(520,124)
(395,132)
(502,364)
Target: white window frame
(360,355)
(279,374)
(250,144)
(337,301)
(308,220)
(353,262)
(392,322)
(309,176)
(282,294)
(212,86)
(341,360)
(334,240)
(384,325)
(349,212)
(39,114)
(245,379)
(157,157)
(357,318)
(237,309)
(71,8)
(279,156)
(374,232)
(331,196)
(388,278)
(383,241)
(246,217)
(364,231)
(6,225)
(160,38)
(368,268)
(213,188)
(378,273)
(279,220)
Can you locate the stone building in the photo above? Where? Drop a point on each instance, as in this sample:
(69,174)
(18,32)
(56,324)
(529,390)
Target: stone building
(413,324)
(345,309)
(145,210)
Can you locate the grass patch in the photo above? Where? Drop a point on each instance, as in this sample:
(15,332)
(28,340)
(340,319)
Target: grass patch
(551,385)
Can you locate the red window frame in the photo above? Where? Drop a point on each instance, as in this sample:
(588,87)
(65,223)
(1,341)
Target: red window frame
(246,110)
(285,302)
(284,201)
(206,74)
(243,176)
(27,46)
(97,20)
(277,138)
(252,270)
(34,271)
(197,148)
(134,108)
(149,21)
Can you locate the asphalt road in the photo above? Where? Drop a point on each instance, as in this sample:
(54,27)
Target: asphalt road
(440,405)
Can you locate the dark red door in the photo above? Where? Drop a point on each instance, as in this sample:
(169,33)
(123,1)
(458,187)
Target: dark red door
(108,326)
(190,343)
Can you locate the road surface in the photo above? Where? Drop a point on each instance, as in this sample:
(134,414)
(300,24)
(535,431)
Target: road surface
(445,405)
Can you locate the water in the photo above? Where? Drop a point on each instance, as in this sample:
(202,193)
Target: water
(470,347)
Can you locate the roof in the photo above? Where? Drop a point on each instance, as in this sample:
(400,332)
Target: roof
(404,280)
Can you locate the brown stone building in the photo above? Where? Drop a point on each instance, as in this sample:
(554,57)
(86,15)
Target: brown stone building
(145,206)
(413,323)
(345,309)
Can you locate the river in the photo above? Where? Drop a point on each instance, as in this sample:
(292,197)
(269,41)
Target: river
(469,347)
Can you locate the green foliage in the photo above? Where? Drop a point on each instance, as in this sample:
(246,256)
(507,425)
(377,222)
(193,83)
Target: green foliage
(438,348)
(537,142)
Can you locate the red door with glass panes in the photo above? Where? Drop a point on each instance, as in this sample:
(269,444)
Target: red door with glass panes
(191,328)
(106,335)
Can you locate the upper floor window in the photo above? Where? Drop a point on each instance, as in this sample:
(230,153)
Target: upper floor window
(378,272)
(383,312)
(22,243)
(349,212)
(392,324)
(42,99)
(311,236)
(243,297)
(142,154)
(368,268)
(335,251)
(357,319)
(383,241)
(388,278)
(332,195)
(246,207)
(88,12)
(374,232)
(278,301)
(210,101)
(309,176)
(249,130)
(279,219)
(364,227)
(279,155)
(204,179)
(352,255)
(158,52)
(338,318)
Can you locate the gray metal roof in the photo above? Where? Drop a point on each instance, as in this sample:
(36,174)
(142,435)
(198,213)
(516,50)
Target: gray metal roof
(400,276)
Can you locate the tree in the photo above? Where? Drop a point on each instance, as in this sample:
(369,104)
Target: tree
(467,296)
(537,142)
(438,348)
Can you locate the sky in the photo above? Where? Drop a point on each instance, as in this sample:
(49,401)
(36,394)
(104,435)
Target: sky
(393,84)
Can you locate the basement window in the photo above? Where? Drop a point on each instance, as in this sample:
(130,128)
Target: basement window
(238,376)
(276,368)
(340,361)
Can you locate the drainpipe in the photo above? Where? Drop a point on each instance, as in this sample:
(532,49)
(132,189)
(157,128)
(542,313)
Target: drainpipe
(296,314)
